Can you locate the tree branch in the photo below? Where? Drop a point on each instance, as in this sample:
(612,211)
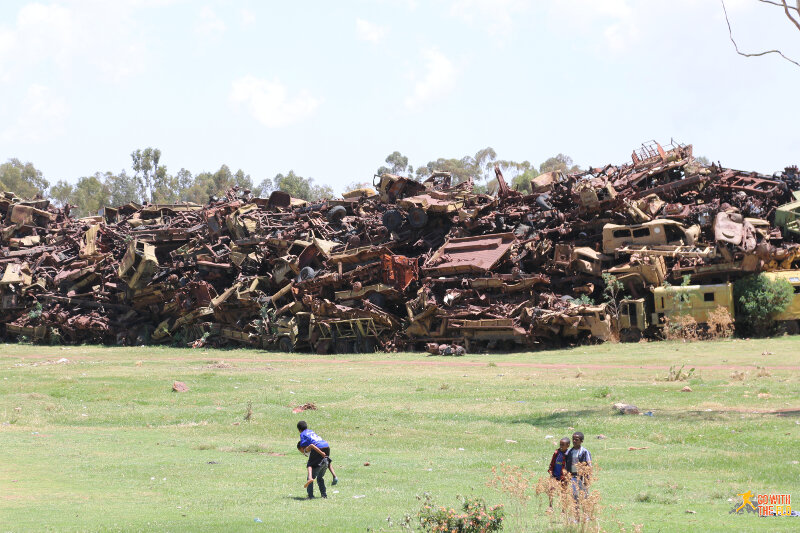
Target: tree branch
(782,4)
(730,34)
(789,15)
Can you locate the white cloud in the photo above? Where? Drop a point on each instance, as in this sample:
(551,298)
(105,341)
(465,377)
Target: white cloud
(269,101)
(497,16)
(615,22)
(367,31)
(90,33)
(439,79)
(41,115)
(209,24)
(247,17)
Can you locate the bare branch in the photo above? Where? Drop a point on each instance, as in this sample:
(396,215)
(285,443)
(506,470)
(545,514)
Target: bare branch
(789,15)
(730,34)
(782,4)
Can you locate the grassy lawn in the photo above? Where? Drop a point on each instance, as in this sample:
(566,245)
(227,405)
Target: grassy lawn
(100,442)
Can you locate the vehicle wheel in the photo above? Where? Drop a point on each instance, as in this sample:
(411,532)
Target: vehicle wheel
(377,299)
(791,327)
(285,345)
(369,345)
(630,335)
(306,273)
(417,218)
(343,346)
(337,214)
(392,219)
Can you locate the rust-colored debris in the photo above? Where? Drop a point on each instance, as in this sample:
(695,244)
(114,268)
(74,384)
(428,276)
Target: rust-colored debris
(429,266)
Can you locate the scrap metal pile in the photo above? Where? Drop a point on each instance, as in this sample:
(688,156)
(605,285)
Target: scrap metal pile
(407,266)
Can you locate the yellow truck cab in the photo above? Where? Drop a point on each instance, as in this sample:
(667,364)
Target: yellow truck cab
(791,316)
(696,301)
(637,316)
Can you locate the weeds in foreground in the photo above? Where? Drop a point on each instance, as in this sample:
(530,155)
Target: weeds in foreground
(515,482)
(474,517)
(576,506)
(249,412)
(677,374)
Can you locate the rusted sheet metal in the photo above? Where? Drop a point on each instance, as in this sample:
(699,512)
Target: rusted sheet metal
(469,254)
(734,180)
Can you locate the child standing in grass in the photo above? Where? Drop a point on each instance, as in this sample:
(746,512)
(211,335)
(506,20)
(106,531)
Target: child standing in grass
(576,456)
(319,461)
(557,464)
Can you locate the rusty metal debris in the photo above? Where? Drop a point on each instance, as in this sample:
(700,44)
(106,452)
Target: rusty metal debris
(429,266)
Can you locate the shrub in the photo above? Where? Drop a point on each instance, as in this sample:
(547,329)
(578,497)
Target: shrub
(474,517)
(681,327)
(758,299)
(579,505)
(720,324)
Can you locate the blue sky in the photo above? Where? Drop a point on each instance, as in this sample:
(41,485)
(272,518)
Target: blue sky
(328,89)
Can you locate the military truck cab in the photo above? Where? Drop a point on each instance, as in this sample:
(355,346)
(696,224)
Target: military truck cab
(655,232)
(789,319)
(696,301)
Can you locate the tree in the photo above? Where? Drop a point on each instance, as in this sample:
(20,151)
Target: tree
(468,167)
(791,12)
(122,189)
(353,185)
(148,173)
(206,184)
(559,162)
(22,178)
(758,299)
(398,164)
(90,195)
(61,193)
(519,175)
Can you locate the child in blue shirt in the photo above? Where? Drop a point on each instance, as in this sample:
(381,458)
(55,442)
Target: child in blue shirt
(558,464)
(319,461)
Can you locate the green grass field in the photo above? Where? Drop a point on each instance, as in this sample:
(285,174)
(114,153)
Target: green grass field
(100,443)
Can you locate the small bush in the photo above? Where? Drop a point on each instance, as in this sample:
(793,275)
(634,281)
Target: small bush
(681,328)
(758,299)
(720,324)
(475,517)
(603,392)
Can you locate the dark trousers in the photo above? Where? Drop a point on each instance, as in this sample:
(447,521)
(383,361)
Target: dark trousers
(318,472)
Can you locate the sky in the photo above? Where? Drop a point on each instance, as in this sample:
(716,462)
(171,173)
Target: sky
(329,89)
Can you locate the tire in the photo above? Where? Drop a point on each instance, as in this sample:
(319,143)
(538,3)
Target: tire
(630,335)
(285,345)
(369,345)
(392,219)
(306,273)
(343,346)
(417,218)
(337,214)
(377,299)
(790,327)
